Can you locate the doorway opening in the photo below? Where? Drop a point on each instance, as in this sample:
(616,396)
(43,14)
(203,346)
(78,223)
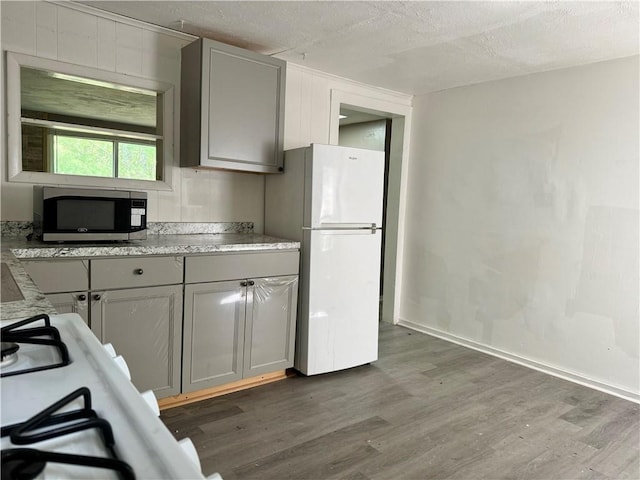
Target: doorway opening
(378,125)
(372,132)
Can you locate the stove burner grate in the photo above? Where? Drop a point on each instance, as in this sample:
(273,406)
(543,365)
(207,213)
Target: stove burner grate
(25,463)
(34,335)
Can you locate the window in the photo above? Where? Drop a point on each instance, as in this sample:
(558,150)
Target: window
(117,158)
(97,128)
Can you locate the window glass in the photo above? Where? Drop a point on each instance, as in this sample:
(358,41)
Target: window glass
(137,161)
(82,156)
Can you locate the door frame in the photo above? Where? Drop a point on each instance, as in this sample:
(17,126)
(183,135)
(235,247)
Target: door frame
(400,115)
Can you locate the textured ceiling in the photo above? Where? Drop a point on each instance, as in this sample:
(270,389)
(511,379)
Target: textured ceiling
(414,47)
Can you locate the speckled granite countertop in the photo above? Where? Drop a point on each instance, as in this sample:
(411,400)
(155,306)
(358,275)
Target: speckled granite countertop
(34,301)
(153,245)
(13,249)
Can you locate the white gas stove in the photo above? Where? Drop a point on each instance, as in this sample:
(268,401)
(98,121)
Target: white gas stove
(74,387)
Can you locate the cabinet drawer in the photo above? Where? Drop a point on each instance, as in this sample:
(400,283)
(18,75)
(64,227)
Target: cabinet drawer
(135,272)
(53,276)
(213,268)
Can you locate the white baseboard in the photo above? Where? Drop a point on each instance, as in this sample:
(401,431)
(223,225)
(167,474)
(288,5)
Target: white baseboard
(541,367)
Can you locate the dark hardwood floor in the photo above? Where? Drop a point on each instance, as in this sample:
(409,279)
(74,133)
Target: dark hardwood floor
(427,409)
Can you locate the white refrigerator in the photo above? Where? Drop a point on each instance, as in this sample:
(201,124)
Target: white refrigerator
(330,199)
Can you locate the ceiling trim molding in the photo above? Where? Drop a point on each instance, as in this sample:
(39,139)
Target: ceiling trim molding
(121,19)
(394,96)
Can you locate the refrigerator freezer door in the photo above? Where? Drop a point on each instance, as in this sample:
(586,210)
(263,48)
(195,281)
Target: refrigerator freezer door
(346,186)
(341,321)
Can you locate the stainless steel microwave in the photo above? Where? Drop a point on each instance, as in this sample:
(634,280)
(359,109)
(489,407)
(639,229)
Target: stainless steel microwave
(82,214)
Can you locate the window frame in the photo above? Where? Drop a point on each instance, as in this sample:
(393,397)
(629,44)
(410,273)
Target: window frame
(14,61)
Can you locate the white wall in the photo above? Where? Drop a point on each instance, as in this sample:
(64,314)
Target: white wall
(87,37)
(522,220)
(369,135)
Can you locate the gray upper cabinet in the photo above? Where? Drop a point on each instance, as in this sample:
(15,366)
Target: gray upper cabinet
(232,108)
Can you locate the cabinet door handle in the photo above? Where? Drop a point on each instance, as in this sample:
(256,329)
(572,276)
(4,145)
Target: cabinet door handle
(97,297)
(252,283)
(82,298)
(243,284)
(138,271)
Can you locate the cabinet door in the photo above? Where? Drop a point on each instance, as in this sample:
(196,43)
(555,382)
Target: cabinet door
(145,327)
(270,326)
(243,109)
(213,334)
(239,108)
(74,302)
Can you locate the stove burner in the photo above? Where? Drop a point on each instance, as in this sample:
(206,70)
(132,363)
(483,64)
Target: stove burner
(9,353)
(15,466)
(43,335)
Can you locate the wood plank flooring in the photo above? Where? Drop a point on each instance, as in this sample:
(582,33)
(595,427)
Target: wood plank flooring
(427,409)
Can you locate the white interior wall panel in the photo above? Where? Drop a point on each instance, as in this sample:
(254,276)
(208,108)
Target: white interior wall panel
(370,135)
(18,27)
(46,28)
(77,34)
(129,49)
(106,42)
(522,221)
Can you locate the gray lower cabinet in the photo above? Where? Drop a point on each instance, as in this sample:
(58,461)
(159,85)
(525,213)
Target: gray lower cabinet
(213,334)
(238,329)
(270,324)
(239,313)
(71,302)
(145,327)
(65,283)
(57,276)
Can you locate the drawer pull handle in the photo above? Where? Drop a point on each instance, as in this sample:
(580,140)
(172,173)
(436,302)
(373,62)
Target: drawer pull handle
(139,271)
(96,297)
(82,298)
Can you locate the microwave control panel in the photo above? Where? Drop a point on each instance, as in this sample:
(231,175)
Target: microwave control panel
(139,213)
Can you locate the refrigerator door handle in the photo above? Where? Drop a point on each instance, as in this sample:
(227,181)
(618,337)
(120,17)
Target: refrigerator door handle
(351,226)
(346,226)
